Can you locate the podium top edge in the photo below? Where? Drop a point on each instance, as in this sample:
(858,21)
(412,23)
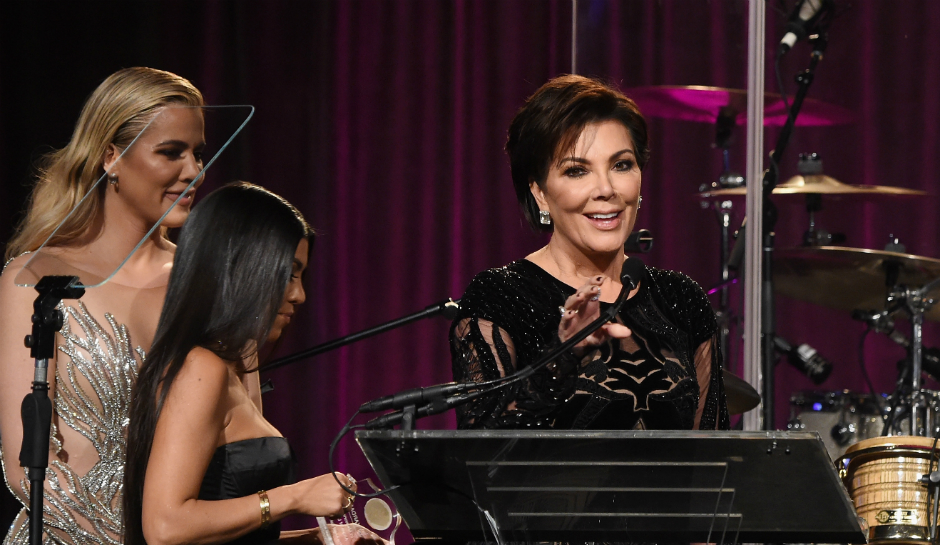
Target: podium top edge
(585,434)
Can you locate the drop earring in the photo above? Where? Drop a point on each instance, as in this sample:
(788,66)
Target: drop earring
(113,180)
(639,202)
(544,217)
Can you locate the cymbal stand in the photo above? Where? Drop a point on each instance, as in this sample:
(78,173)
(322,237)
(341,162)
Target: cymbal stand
(724,131)
(916,303)
(810,164)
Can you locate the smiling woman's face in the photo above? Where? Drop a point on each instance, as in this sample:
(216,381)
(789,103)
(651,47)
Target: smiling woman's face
(159,166)
(592,191)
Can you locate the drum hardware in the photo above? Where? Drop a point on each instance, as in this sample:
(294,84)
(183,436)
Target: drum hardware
(840,417)
(932,482)
(916,303)
(851,278)
(810,164)
(823,185)
(741,396)
(724,133)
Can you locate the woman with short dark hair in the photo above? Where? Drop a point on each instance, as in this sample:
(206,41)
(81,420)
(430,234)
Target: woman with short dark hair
(577,149)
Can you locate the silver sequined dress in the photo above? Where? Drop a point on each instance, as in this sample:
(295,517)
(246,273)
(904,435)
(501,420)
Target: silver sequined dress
(96,367)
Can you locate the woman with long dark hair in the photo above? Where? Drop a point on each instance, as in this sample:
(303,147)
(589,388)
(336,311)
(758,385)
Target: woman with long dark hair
(203,464)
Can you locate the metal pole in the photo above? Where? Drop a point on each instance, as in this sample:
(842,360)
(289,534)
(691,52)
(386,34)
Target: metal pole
(756,51)
(574,36)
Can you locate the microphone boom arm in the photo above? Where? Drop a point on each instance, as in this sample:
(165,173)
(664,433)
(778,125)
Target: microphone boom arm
(448,308)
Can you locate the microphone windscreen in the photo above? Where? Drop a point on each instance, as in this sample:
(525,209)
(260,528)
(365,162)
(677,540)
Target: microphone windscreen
(631,272)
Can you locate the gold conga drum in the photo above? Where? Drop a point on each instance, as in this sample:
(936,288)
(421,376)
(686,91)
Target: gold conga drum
(883,476)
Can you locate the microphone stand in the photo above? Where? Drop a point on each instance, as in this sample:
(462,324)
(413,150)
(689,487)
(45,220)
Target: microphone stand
(768,327)
(447,308)
(36,410)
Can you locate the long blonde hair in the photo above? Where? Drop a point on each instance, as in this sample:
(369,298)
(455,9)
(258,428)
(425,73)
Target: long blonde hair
(114,114)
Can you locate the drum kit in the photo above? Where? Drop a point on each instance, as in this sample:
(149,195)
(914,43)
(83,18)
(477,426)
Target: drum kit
(884,446)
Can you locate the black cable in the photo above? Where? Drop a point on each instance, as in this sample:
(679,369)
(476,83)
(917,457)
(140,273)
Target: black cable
(346,429)
(781,89)
(861,363)
(930,470)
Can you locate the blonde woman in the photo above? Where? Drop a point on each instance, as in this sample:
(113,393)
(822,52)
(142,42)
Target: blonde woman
(103,341)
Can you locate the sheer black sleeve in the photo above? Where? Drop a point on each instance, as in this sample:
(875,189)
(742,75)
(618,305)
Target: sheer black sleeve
(505,323)
(692,312)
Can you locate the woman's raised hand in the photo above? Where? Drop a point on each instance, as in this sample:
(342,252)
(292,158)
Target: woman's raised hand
(583,308)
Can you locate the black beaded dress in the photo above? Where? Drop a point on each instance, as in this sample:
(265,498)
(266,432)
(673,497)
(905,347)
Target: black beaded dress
(652,380)
(243,468)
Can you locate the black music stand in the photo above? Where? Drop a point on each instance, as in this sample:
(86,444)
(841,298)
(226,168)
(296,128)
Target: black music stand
(719,487)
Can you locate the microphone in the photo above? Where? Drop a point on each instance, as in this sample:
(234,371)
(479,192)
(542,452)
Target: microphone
(639,242)
(434,407)
(631,272)
(805,358)
(805,15)
(416,396)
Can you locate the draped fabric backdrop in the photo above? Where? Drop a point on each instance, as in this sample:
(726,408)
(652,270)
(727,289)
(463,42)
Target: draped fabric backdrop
(384,122)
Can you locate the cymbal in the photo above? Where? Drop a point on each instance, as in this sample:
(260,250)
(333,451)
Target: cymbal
(849,278)
(823,185)
(700,103)
(741,396)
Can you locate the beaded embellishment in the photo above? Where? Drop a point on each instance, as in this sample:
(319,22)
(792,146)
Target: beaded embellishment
(87,508)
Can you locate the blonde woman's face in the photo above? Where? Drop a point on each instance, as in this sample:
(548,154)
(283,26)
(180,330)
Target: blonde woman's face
(157,169)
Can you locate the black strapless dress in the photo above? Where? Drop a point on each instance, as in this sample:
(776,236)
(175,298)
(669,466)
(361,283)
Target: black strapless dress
(243,468)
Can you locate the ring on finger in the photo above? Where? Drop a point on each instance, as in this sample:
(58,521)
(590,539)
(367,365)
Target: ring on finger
(349,503)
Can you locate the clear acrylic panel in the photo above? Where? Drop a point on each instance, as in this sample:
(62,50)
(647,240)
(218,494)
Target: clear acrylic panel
(158,172)
(620,486)
(685,64)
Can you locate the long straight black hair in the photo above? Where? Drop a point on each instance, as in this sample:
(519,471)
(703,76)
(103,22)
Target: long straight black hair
(231,269)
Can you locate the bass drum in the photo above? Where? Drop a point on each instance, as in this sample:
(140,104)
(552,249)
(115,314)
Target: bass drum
(841,418)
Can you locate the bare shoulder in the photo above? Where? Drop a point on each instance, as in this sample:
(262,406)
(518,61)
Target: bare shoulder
(16,301)
(202,364)
(12,269)
(203,376)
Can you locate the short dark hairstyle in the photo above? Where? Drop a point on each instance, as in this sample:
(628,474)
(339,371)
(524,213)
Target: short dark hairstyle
(230,272)
(551,121)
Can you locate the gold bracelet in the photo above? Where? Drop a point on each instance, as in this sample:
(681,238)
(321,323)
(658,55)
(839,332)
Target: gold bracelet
(265,509)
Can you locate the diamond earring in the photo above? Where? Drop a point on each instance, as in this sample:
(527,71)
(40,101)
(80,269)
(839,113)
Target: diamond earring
(639,202)
(544,217)
(113,179)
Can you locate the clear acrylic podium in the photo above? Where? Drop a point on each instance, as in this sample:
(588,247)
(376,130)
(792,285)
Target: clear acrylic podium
(678,486)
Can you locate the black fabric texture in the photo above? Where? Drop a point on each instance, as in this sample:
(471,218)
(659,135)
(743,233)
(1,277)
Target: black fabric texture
(645,382)
(244,468)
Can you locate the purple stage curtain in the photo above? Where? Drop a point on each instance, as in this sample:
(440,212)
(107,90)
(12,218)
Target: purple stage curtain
(384,122)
